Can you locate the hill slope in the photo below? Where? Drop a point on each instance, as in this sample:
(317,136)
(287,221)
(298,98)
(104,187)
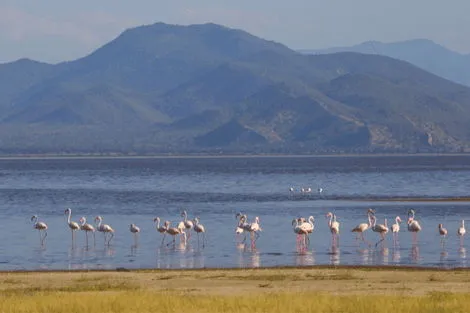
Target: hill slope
(421,52)
(207,88)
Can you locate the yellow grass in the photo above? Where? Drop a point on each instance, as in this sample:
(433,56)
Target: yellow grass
(261,290)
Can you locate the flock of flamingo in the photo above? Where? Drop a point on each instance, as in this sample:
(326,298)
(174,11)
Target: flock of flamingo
(183,229)
(302,227)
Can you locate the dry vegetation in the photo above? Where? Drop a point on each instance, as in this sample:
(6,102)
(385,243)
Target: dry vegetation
(259,290)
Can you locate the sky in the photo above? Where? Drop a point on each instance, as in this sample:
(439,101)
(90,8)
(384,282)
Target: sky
(57,30)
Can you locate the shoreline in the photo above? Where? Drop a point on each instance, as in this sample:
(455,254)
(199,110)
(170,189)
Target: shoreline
(298,289)
(228,156)
(376,268)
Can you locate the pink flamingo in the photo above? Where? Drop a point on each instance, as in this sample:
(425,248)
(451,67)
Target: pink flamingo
(134,229)
(188,224)
(413,225)
(254,229)
(241,225)
(40,226)
(461,231)
(87,228)
(361,228)
(160,229)
(74,226)
(395,228)
(173,231)
(333,224)
(382,229)
(105,229)
(199,228)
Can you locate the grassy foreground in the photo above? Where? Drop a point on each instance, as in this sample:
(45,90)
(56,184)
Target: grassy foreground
(259,290)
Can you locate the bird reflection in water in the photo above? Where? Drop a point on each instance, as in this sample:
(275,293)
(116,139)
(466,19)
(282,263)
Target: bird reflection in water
(255,259)
(364,256)
(414,253)
(385,253)
(443,256)
(396,256)
(305,258)
(106,252)
(134,249)
(334,255)
(463,253)
(249,258)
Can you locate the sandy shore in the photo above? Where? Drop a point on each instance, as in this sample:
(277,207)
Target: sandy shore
(342,280)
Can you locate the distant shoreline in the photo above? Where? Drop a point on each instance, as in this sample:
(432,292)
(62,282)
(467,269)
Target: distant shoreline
(241,269)
(228,156)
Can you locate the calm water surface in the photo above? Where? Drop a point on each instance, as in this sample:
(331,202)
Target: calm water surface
(125,191)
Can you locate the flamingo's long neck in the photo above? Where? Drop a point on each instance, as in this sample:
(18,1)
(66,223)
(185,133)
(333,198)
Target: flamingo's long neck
(463,223)
(386,223)
(185,216)
(396,220)
(158,223)
(83,221)
(330,222)
(311,220)
(69,217)
(99,222)
(369,217)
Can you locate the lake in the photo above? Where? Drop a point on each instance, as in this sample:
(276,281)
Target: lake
(135,190)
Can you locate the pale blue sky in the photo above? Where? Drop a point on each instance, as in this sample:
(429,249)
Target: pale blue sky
(57,30)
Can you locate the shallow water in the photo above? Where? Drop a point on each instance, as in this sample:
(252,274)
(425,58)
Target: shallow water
(126,191)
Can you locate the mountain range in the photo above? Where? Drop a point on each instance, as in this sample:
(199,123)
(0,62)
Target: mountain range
(211,89)
(423,53)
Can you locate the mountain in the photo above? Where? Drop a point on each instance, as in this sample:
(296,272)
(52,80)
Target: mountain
(211,89)
(423,53)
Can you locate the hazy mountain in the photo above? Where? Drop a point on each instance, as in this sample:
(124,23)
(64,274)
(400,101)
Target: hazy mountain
(207,88)
(424,53)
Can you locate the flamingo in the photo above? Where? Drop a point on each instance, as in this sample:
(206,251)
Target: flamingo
(442,230)
(74,226)
(395,228)
(104,228)
(307,225)
(306,190)
(173,231)
(199,228)
(135,230)
(40,226)
(240,229)
(461,231)
(413,225)
(188,224)
(87,228)
(361,228)
(254,229)
(334,227)
(382,229)
(310,224)
(160,229)
(302,230)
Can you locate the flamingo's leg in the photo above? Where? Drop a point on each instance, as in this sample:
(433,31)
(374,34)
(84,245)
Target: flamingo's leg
(382,239)
(44,237)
